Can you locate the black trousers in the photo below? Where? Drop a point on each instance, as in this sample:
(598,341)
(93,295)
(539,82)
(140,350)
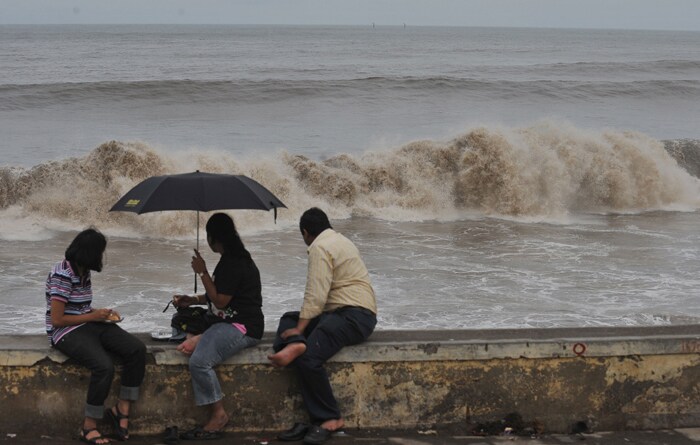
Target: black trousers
(324,337)
(92,345)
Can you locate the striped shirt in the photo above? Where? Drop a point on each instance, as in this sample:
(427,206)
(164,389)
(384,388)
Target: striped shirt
(64,285)
(336,277)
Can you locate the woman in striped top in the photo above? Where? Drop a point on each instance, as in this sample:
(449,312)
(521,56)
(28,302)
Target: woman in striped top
(86,335)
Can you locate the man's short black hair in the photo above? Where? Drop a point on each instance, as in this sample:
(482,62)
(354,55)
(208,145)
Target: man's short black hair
(314,221)
(86,250)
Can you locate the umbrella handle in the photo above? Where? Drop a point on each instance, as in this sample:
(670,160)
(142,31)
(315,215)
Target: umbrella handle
(195,274)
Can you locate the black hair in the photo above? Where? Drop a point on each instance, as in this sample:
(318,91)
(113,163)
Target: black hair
(86,250)
(221,228)
(314,221)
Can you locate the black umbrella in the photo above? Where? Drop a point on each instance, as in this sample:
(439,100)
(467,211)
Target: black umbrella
(197,191)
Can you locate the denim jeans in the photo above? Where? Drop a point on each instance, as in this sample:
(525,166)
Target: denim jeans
(218,343)
(92,345)
(324,337)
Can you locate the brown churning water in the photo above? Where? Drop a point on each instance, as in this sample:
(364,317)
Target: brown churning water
(544,171)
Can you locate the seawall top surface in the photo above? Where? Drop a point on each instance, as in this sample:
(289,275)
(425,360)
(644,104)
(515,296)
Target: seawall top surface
(383,346)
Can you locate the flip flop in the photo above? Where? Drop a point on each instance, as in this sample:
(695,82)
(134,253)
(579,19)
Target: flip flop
(199,433)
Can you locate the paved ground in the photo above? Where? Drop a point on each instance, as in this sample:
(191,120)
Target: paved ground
(688,436)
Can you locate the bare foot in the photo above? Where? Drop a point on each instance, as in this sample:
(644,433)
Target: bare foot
(188,346)
(95,436)
(287,355)
(216,423)
(333,424)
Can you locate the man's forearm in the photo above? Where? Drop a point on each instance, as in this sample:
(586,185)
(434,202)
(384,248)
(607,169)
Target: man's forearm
(302,324)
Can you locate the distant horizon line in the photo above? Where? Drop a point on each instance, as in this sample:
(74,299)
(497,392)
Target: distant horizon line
(368,25)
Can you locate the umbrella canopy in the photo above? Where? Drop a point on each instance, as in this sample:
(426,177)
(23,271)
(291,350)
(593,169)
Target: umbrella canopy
(197,191)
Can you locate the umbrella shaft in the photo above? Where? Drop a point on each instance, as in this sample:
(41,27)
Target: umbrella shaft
(195,275)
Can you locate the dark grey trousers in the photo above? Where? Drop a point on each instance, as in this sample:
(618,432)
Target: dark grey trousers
(324,337)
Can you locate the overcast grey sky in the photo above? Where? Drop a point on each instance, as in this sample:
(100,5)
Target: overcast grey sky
(625,14)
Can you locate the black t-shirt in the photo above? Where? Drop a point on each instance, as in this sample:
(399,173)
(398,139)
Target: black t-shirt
(239,277)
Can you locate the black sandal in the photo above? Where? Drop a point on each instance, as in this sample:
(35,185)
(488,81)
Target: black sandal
(83,436)
(199,433)
(116,418)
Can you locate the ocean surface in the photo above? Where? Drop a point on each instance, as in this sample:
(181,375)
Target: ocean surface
(491,177)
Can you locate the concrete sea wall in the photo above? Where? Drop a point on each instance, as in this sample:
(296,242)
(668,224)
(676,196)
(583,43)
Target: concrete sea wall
(610,378)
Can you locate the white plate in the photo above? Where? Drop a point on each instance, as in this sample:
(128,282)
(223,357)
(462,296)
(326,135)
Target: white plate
(161,335)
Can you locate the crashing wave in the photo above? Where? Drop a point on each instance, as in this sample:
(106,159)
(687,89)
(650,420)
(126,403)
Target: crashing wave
(543,171)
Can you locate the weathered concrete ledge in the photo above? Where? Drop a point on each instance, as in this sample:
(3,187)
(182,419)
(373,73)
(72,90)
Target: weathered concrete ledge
(611,378)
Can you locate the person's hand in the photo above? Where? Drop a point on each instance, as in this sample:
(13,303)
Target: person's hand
(291,332)
(182,300)
(198,264)
(101,314)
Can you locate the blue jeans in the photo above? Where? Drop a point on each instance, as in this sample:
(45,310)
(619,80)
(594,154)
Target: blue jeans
(324,337)
(217,344)
(93,345)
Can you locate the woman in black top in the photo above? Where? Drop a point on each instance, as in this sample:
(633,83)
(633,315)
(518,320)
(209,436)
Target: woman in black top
(233,293)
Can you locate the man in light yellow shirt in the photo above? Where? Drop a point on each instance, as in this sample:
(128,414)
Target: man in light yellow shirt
(339,309)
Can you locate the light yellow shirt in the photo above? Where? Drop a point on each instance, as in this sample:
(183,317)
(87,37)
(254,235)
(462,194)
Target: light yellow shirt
(336,277)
